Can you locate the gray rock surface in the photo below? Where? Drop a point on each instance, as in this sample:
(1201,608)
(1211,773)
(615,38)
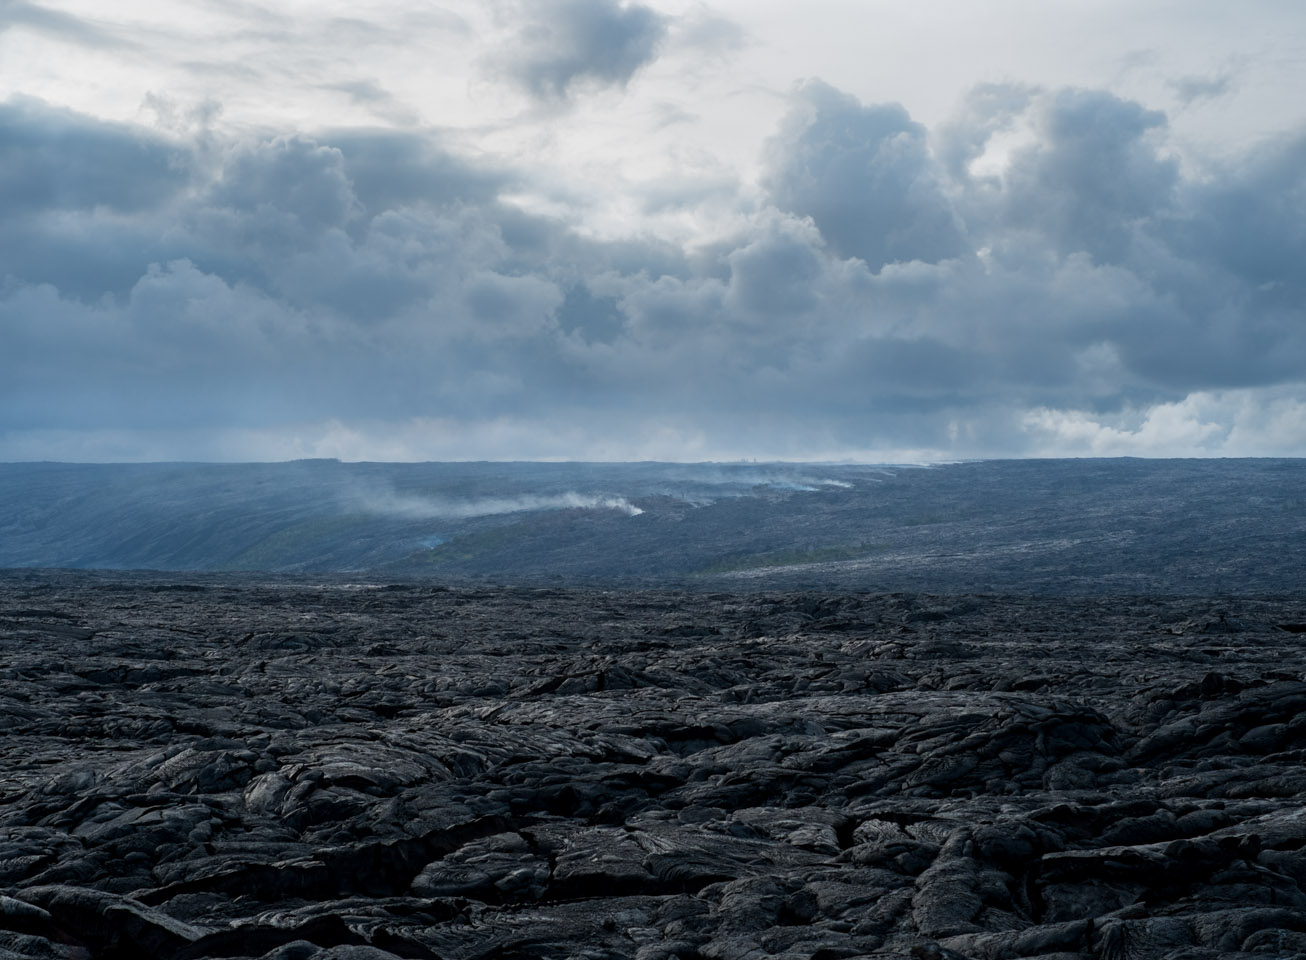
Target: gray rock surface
(1049,527)
(245,769)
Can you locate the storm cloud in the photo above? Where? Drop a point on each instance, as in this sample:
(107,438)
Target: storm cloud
(566,44)
(865,176)
(53,160)
(1040,274)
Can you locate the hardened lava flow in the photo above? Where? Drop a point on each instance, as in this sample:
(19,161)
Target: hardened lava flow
(297,771)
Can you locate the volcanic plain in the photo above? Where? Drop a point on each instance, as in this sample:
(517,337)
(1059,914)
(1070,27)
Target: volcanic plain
(224,766)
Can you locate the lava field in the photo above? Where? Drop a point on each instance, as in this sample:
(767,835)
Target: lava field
(293,770)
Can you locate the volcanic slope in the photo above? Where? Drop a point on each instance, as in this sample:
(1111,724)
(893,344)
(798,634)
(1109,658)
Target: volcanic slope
(1199,527)
(303,771)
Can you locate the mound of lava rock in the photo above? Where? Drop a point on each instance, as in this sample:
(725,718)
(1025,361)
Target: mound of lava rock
(297,771)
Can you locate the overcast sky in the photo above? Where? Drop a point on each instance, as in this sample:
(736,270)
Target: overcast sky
(680,230)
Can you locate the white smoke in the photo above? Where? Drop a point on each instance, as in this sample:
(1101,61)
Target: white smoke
(694,485)
(417,507)
(746,479)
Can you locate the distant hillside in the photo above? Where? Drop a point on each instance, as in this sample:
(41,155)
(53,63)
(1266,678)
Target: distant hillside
(1050,526)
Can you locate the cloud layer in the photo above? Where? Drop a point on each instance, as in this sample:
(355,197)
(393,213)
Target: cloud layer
(1039,275)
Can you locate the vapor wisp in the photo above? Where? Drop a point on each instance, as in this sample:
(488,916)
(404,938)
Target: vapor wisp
(696,485)
(416,507)
(704,486)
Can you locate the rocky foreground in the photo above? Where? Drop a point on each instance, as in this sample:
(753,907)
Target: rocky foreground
(294,771)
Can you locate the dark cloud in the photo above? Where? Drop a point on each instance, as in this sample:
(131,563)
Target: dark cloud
(595,319)
(989,109)
(381,102)
(566,44)
(56,23)
(1249,219)
(1190,90)
(865,175)
(53,159)
(1039,262)
(288,179)
(1093,175)
(775,276)
(389,169)
(85,256)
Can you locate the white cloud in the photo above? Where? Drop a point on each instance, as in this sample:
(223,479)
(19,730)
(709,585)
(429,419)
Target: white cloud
(1234,423)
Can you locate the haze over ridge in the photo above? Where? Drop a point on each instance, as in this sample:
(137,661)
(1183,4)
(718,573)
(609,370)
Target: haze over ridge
(1059,527)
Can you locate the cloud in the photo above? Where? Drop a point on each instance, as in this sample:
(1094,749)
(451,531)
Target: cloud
(1093,174)
(1240,423)
(380,101)
(774,274)
(1193,89)
(865,175)
(390,170)
(57,24)
(1039,275)
(707,33)
(53,159)
(564,45)
(987,113)
(291,183)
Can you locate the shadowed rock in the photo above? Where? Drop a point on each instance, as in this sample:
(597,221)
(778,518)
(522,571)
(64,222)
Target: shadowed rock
(304,771)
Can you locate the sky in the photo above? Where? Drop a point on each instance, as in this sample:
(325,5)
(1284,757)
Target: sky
(674,230)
